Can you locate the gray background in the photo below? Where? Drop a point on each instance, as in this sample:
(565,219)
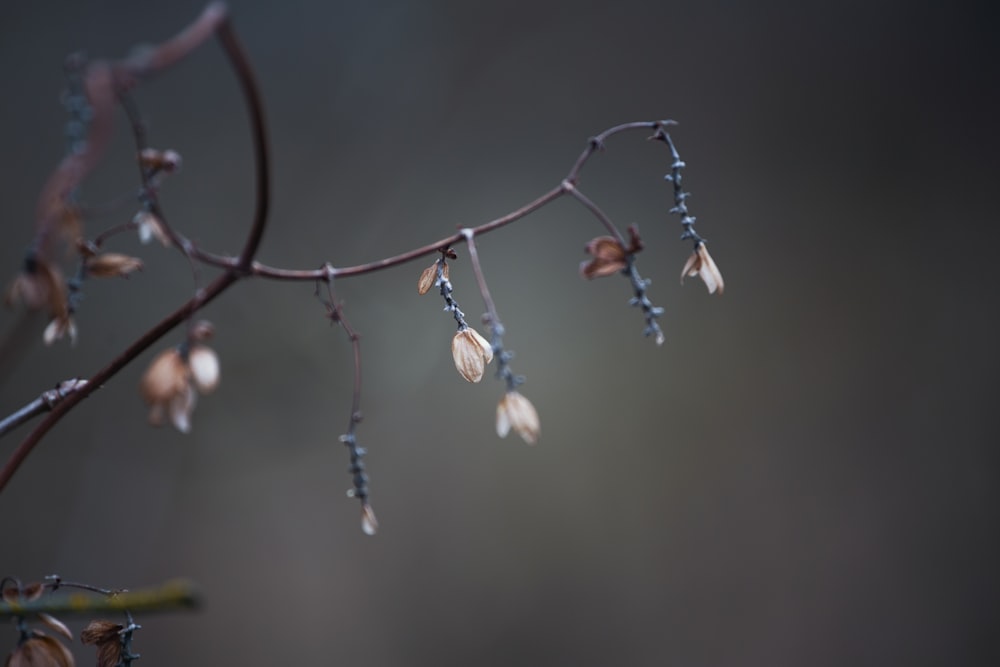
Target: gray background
(805,473)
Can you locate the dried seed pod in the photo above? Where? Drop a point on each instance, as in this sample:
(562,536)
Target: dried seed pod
(700,264)
(608,257)
(428,278)
(111,264)
(471,353)
(204,365)
(515,411)
(150,227)
(369,524)
(106,636)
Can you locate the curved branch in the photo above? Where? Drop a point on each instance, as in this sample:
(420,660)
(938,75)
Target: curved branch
(255,108)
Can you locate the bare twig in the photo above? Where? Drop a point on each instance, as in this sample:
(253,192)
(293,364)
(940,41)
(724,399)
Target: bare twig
(45,402)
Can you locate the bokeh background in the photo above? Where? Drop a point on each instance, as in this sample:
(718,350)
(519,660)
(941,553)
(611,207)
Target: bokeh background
(806,473)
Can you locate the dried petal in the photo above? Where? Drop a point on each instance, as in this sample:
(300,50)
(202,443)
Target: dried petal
(700,264)
(471,353)
(55,625)
(100,632)
(111,264)
(609,257)
(369,524)
(59,328)
(181,406)
(150,227)
(166,377)
(427,279)
(204,365)
(515,411)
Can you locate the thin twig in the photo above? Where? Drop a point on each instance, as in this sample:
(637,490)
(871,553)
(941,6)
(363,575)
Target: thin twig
(44,403)
(359,476)
(492,318)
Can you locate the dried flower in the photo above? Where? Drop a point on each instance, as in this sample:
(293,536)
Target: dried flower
(150,227)
(39,650)
(204,365)
(111,264)
(59,328)
(471,353)
(107,637)
(168,161)
(608,257)
(369,524)
(171,384)
(39,284)
(700,264)
(517,412)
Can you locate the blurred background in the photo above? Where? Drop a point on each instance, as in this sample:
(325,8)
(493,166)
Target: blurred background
(805,473)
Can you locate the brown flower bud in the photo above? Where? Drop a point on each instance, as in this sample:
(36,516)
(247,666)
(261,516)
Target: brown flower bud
(171,384)
(427,278)
(517,412)
(609,257)
(166,389)
(165,377)
(105,635)
(39,284)
(471,353)
(111,264)
(700,264)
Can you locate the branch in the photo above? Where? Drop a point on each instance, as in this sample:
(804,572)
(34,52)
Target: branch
(169,596)
(45,402)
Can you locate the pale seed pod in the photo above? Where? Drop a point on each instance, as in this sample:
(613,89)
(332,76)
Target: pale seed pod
(204,365)
(427,279)
(150,227)
(166,377)
(515,411)
(369,524)
(701,264)
(471,353)
(111,264)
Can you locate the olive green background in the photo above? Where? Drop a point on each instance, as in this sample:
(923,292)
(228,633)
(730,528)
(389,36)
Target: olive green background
(804,474)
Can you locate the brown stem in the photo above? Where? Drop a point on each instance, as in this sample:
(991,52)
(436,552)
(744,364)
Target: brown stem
(255,108)
(245,265)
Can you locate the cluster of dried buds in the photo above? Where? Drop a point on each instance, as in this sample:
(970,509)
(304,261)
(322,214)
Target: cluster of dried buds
(35,648)
(609,256)
(41,285)
(177,375)
(472,353)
